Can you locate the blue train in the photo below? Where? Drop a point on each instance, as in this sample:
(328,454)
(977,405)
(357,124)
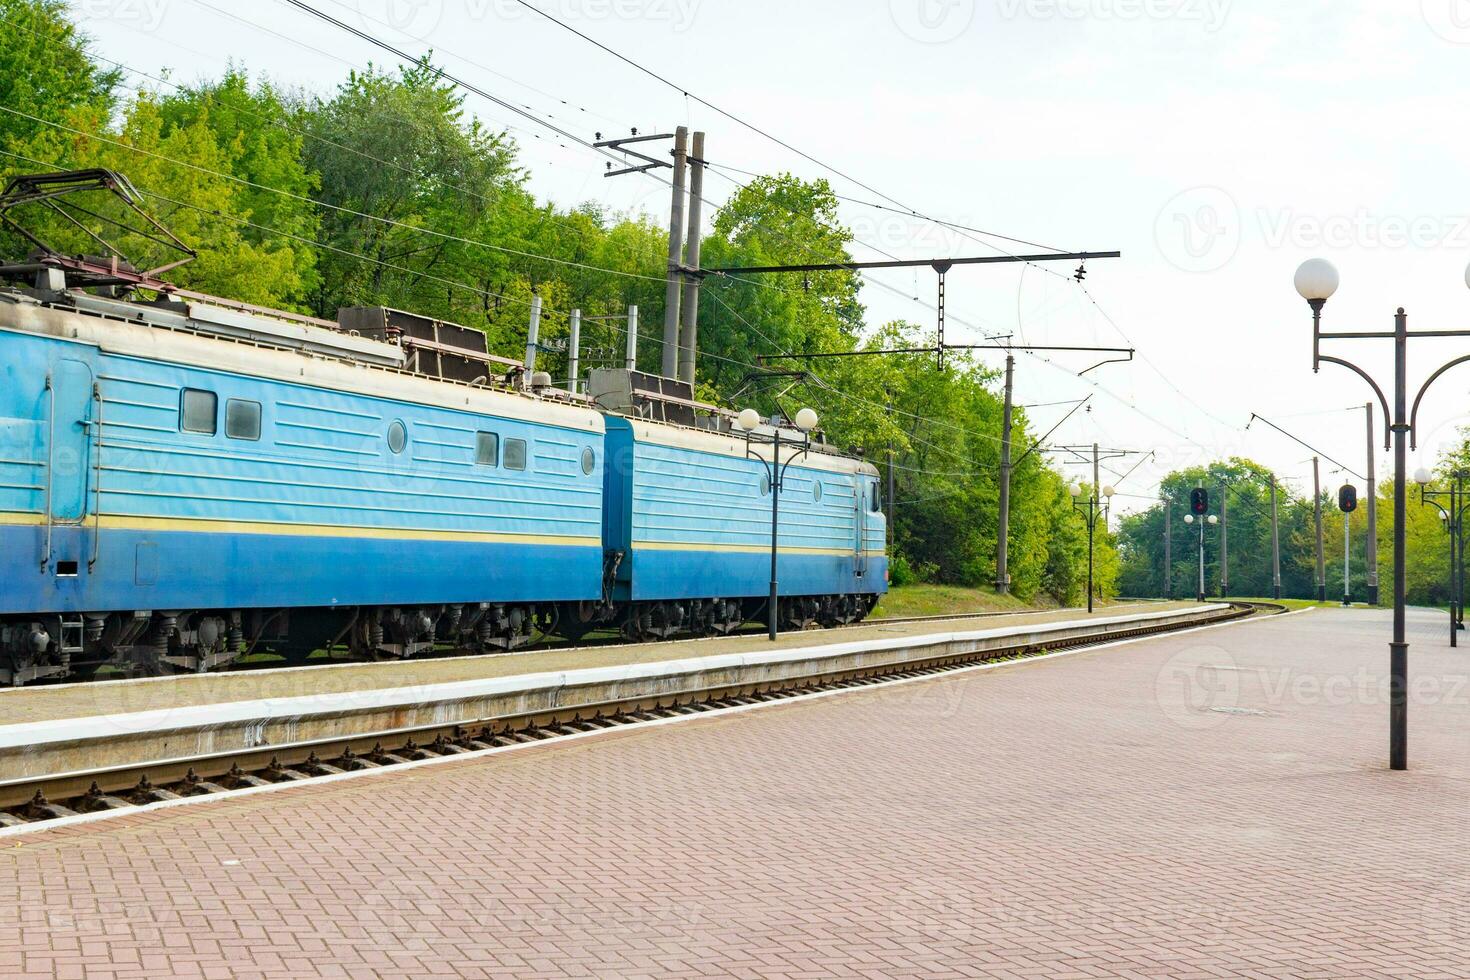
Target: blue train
(184,481)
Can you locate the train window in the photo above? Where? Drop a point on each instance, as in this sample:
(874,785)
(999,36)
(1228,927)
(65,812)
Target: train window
(199,411)
(487,448)
(817,490)
(515,454)
(397,436)
(589,460)
(875,503)
(242,419)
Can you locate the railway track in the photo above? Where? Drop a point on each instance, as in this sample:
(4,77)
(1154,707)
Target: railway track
(33,803)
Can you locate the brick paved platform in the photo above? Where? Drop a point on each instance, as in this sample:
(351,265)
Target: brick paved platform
(1204,805)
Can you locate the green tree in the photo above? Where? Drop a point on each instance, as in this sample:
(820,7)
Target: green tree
(47,71)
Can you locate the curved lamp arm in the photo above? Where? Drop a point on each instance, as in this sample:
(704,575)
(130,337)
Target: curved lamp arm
(1425,501)
(1388,415)
(805,449)
(1414,415)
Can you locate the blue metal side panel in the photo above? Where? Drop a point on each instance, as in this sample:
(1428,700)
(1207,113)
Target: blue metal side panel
(693,574)
(701,526)
(191,570)
(617,495)
(190,519)
(24,410)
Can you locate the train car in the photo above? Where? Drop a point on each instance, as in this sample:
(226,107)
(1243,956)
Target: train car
(185,480)
(689,514)
(182,480)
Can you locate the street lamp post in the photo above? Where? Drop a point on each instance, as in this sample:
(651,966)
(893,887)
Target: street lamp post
(1453,520)
(1092,510)
(750,421)
(1199,595)
(1317,280)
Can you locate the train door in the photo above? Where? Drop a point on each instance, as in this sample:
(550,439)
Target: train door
(68,445)
(860,524)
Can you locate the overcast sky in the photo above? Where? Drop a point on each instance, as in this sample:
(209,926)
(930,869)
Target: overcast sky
(1216,143)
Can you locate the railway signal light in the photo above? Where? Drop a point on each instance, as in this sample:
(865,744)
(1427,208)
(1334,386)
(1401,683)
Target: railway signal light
(1347,498)
(1199,500)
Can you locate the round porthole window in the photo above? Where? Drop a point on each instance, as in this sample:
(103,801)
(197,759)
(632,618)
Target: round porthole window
(817,490)
(397,436)
(765,484)
(589,460)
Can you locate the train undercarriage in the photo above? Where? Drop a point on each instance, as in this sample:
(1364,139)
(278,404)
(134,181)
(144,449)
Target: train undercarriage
(138,643)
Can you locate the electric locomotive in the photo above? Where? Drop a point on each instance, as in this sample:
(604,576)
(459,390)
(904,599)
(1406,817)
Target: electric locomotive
(185,480)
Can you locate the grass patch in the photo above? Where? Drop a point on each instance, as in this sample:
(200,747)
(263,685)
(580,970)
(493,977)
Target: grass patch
(944,600)
(1302,603)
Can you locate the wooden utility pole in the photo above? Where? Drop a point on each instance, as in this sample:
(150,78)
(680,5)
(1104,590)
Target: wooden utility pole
(676,243)
(1372,536)
(1224,540)
(1168,552)
(1275,544)
(1317,516)
(1003,526)
(689,335)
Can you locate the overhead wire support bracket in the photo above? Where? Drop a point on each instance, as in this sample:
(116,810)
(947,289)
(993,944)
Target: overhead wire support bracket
(620,145)
(941,267)
(764,358)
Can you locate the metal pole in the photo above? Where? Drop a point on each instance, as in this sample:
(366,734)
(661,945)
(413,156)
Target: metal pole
(1092,517)
(892,528)
(1372,542)
(1168,552)
(771,606)
(1449,525)
(1347,591)
(689,336)
(533,334)
(676,243)
(1317,518)
(1459,597)
(1003,520)
(1275,544)
(1224,541)
(1199,595)
(1398,689)
(574,347)
(630,360)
